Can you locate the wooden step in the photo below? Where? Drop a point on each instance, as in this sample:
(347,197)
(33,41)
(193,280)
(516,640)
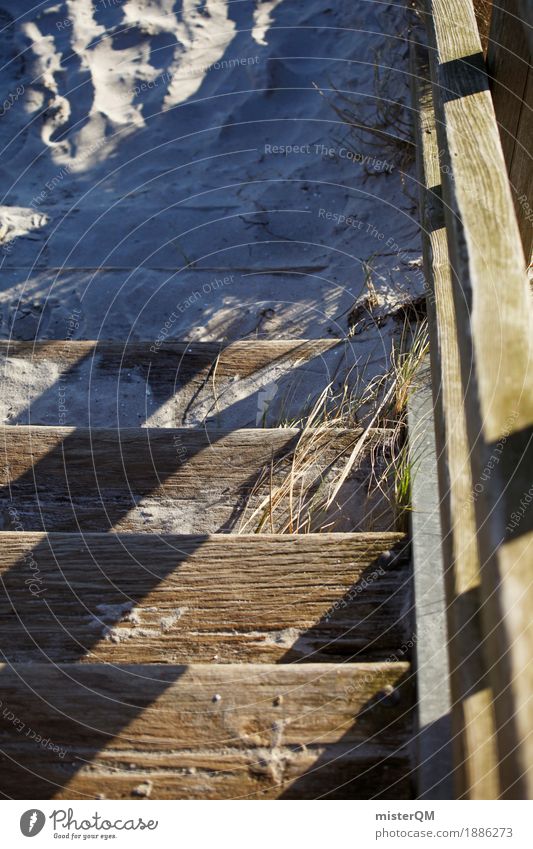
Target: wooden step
(178,599)
(189,481)
(174,384)
(267,300)
(205,731)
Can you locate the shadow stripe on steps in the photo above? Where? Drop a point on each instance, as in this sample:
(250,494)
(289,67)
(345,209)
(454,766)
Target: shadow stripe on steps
(172,480)
(207,731)
(225,598)
(175,384)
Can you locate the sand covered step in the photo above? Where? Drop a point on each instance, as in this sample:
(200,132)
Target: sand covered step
(144,303)
(175,599)
(195,481)
(173,384)
(206,731)
(269,300)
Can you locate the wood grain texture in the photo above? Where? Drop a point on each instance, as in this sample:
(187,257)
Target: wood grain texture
(180,480)
(495,320)
(201,731)
(187,360)
(433,741)
(174,384)
(511,81)
(493,313)
(178,599)
(475,757)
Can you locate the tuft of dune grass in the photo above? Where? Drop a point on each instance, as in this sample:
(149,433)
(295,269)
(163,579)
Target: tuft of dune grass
(294,502)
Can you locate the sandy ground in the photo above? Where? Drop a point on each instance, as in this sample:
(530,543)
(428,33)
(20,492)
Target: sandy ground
(176,170)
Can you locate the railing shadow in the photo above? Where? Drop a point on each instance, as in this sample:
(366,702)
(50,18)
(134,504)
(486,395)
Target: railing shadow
(65,719)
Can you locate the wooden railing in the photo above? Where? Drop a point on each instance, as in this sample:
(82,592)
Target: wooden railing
(479,308)
(509,52)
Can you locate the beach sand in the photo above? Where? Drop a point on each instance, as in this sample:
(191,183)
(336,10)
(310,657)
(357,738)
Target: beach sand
(177,170)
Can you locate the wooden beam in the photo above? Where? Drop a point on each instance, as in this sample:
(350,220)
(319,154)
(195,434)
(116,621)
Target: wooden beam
(434,732)
(203,731)
(492,305)
(475,756)
(172,384)
(511,80)
(145,598)
(184,480)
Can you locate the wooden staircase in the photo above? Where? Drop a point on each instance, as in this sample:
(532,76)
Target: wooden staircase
(153,650)
(168,632)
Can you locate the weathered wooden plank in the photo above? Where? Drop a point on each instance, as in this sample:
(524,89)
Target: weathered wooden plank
(434,737)
(511,80)
(334,771)
(187,481)
(493,314)
(205,731)
(475,759)
(178,599)
(172,384)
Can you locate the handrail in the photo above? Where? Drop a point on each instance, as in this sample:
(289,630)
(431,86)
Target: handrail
(492,320)
(473,744)
(510,48)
